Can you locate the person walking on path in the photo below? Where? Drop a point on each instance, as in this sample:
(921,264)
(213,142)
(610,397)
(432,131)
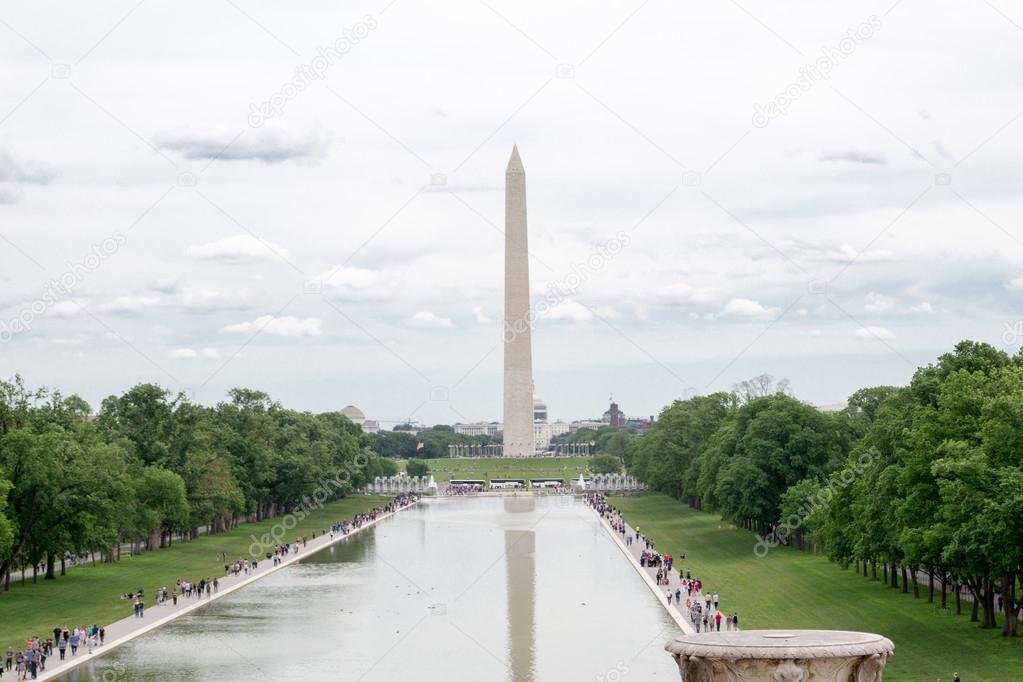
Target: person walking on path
(670,595)
(717,620)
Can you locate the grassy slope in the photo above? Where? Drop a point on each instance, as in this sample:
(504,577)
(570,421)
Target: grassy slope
(538,467)
(90,594)
(792,589)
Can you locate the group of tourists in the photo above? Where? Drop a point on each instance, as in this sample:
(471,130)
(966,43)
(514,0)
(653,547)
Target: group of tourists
(700,608)
(455,489)
(29,662)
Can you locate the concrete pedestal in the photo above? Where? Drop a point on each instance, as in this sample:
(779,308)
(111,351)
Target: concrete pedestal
(781,656)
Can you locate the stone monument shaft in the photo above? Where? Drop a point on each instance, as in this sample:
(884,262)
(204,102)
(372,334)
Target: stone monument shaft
(518,349)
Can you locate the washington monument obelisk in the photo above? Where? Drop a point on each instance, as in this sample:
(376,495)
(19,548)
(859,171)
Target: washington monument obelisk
(518,349)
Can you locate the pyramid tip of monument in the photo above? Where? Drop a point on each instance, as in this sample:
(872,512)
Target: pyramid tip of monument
(515,162)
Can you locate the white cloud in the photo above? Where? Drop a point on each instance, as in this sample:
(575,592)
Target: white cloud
(924,307)
(13,175)
(269,144)
(64,309)
(878,303)
(192,353)
(125,305)
(355,284)
(745,307)
(240,248)
(569,310)
(481,317)
(278,326)
(192,300)
(425,318)
(845,253)
(165,285)
(1015,284)
(872,332)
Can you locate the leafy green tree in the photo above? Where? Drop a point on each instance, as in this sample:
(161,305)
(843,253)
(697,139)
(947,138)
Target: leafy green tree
(417,467)
(605,464)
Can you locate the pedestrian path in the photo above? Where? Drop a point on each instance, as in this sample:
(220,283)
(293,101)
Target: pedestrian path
(677,611)
(129,628)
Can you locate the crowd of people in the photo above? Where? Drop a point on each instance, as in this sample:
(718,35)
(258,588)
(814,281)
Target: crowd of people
(30,662)
(700,607)
(464,488)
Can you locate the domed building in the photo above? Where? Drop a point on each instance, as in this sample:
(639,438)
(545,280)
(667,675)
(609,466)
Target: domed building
(539,409)
(354,414)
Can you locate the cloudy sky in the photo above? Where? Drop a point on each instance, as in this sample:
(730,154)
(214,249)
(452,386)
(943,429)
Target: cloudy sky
(307,198)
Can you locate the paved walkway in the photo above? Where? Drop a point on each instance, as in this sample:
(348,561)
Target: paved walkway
(677,611)
(129,628)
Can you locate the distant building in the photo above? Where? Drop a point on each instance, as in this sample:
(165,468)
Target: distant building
(585,424)
(539,410)
(411,428)
(639,424)
(614,417)
(833,407)
(544,432)
(479,429)
(354,414)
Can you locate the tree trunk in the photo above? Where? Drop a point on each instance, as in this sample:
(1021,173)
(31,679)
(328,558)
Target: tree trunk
(959,601)
(873,570)
(905,581)
(63,566)
(884,571)
(944,589)
(930,585)
(973,610)
(50,564)
(1011,607)
(895,577)
(990,621)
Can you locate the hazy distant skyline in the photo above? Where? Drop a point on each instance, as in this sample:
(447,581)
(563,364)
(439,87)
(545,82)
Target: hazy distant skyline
(309,200)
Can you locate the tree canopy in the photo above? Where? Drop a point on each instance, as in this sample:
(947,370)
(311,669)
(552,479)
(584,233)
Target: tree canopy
(927,477)
(152,465)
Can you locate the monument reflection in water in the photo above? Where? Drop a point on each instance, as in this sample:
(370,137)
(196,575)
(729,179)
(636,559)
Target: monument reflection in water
(513,588)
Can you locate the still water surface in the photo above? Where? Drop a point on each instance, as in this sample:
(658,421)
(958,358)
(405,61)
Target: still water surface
(513,588)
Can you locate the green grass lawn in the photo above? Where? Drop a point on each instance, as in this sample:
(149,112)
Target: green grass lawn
(91,594)
(534,467)
(793,589)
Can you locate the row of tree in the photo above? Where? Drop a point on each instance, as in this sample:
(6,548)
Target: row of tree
(151,466)
(428,443)
(925,479)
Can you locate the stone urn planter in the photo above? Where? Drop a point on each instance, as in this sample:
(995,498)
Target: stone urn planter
(781,656)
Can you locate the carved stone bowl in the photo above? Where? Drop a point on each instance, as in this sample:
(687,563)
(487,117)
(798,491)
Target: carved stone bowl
(781,656)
